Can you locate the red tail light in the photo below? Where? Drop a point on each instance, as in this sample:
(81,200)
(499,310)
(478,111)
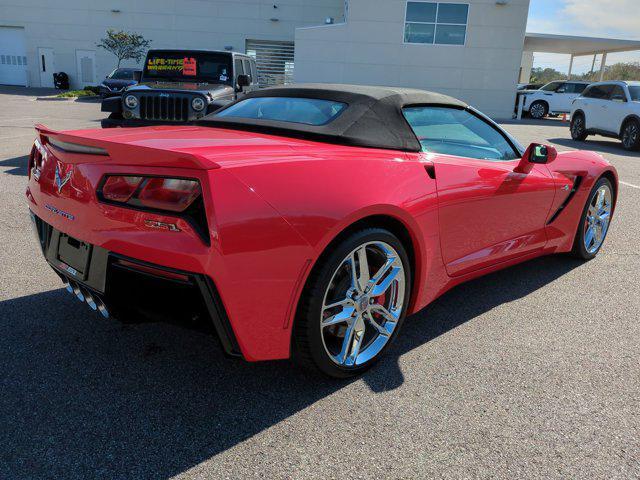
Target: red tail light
(174,194)
(120,188)
(153,193)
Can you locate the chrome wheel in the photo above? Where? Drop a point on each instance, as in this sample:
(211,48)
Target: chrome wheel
(597,220)
(363,304)
(537,110)
(630,135)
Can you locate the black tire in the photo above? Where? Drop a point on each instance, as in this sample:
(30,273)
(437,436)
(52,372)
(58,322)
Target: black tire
(538,110)
(578,128)
(630,135)
(579,249)
(308,347)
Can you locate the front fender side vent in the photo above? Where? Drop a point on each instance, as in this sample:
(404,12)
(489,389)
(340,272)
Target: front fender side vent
(431,171)
(574,189)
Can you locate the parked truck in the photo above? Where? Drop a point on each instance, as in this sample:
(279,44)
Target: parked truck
(181,86)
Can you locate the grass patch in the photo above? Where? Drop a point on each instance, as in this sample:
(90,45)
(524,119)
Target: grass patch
(76,93)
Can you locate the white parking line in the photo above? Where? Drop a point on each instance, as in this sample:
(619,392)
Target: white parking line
(630,185)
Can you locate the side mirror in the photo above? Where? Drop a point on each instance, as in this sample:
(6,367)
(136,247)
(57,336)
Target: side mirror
(244,81)
(137,76)
(536,153)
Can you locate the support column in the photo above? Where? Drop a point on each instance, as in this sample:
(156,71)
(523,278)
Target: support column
(570,67)
(593,64)
(603,65)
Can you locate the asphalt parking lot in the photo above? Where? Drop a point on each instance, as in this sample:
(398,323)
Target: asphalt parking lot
(532,372)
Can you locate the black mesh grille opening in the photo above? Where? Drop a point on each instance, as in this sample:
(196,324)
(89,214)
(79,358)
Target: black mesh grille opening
(43,230)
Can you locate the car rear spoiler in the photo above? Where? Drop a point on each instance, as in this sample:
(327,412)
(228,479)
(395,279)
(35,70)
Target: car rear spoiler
(74,147)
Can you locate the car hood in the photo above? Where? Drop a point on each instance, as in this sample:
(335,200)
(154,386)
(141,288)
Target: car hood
(212,88)
(112,82)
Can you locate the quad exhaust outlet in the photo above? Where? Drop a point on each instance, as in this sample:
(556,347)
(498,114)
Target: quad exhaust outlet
(85,296)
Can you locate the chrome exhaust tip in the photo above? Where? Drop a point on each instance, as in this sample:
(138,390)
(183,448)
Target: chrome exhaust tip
(78,292)
(102,308)
(88,297)
(84,295)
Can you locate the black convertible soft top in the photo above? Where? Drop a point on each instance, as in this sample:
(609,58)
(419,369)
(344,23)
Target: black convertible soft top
(373,117)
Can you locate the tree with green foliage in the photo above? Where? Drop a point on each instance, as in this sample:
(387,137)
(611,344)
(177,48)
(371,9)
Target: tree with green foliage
(124,45)
(546,75)
(617,71)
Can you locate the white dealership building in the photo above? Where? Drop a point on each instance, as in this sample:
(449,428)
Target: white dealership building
(476,50)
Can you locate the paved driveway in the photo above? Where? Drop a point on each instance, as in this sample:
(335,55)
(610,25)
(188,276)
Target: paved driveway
(530,372)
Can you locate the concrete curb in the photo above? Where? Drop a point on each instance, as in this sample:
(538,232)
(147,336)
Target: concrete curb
(56,99)
(94,99)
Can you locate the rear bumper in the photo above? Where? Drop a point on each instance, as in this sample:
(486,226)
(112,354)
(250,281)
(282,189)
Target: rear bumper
(113,283)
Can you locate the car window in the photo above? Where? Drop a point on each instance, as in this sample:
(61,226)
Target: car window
(575,87)
(188,66)
(617,92)
(598,91)
(254,72)
(552,87)
(121,74)
(309,111)
(238,67)
(458,132)
(247,69)
(634,91)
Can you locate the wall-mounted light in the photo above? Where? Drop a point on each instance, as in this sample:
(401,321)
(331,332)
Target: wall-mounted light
(502,3)
(115,10)
(329,20)
(274,19)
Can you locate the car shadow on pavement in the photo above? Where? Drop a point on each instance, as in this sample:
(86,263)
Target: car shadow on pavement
(547,122)
(85,397)
(17,165)
(611,146)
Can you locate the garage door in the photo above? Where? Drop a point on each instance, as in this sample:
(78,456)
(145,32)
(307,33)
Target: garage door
(274,61)
(13,56)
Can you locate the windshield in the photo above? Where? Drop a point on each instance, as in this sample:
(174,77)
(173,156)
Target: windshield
(308,111)
(634,91)
(198,67)
(122,74)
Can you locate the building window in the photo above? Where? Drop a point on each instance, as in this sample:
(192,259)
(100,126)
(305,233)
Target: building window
(436,23)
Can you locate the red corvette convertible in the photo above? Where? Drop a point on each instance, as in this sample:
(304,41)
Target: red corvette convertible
(306,221)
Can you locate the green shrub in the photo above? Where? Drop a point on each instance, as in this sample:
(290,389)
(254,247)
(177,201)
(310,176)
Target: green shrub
(76,93)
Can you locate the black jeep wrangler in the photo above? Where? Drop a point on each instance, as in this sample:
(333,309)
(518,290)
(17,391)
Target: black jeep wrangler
(181,86)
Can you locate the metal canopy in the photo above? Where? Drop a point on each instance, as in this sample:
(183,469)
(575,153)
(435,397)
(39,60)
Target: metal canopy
(576,46)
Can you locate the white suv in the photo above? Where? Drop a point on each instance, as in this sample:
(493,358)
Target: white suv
(553,98)
(611,109)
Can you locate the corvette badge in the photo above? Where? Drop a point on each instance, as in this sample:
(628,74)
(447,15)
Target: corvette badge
(63,174)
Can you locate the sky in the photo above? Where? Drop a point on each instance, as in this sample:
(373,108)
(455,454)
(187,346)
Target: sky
(594,18)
